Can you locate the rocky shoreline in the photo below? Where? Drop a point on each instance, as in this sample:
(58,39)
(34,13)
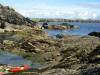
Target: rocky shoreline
(66,55)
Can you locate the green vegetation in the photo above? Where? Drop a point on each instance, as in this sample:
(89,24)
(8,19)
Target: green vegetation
(35,19)
(63,20)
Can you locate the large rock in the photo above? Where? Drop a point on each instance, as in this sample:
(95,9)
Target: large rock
(95,33)
(9,15)
(59,26)
(68,26)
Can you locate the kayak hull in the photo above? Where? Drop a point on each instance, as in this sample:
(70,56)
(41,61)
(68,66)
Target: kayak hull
(19,68)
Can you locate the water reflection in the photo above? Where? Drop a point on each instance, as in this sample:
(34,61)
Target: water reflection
(13,59)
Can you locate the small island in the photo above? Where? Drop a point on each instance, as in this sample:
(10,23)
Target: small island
(59,26)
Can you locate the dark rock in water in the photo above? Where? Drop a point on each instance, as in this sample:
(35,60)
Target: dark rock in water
(59,35)
(95,33)
(44,24)
(59,26)
(9,15)
(68,26)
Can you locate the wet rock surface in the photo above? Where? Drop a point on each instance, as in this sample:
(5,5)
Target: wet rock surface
(62,54)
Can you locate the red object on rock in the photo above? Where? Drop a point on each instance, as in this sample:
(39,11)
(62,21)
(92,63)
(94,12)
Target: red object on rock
(19,68)
(26,66)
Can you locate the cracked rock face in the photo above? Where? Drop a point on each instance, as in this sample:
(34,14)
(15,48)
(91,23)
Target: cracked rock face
(9,15)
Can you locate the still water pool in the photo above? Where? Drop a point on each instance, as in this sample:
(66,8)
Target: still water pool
(14,59)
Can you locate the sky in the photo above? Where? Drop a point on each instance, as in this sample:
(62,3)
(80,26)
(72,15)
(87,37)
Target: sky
(68,9)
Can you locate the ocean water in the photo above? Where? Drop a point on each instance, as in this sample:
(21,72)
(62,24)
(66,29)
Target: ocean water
(83,28)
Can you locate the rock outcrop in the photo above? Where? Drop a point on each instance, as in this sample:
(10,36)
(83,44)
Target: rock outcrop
(59,26)
(10,20)
(8,14)
(95,33)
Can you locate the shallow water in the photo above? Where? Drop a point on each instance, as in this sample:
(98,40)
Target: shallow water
(14,59)
(83,28)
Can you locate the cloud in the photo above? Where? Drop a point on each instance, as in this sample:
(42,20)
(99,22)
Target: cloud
(94,15)
(87,15)
(34,13)
(72,9)
(79,14)
(59,12)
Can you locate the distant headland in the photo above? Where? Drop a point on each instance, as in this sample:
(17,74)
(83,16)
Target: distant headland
(64,20)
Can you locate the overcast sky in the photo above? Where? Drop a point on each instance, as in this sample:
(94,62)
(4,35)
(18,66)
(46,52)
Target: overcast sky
(70,9)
